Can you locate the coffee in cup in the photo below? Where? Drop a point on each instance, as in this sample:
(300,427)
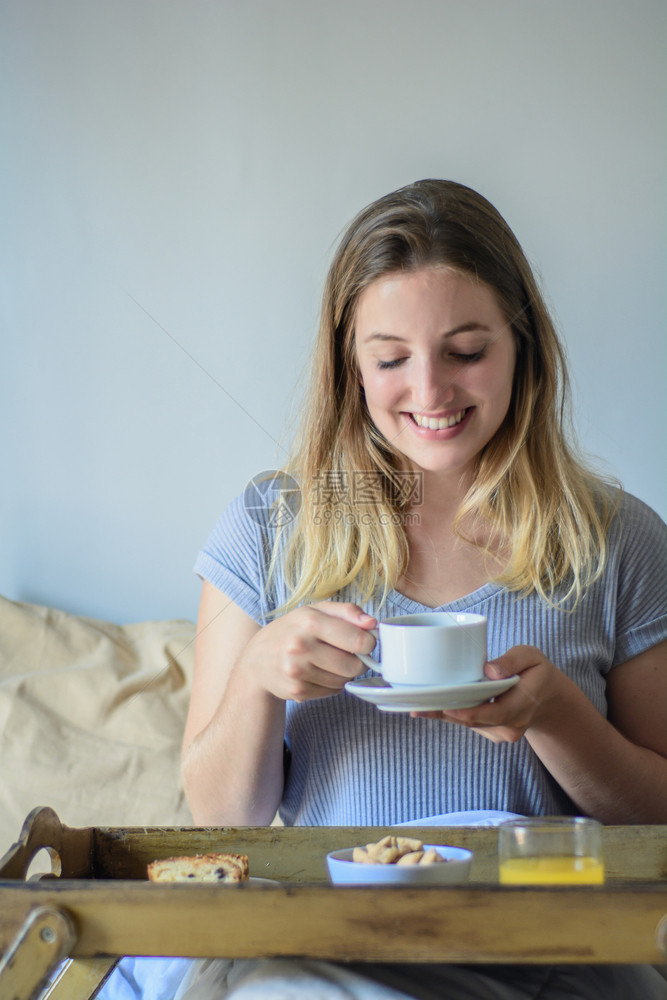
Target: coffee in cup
(438,648)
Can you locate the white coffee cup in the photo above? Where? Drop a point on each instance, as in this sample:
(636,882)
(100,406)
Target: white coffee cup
(439,648)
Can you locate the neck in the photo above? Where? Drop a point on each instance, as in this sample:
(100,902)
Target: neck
(442,565)
(442,494)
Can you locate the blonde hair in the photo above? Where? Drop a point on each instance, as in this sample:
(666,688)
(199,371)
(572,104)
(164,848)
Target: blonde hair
(536,499)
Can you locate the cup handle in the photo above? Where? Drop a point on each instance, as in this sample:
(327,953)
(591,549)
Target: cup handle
(368,661)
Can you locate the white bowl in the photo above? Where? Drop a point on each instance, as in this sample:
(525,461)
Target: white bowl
(456,869)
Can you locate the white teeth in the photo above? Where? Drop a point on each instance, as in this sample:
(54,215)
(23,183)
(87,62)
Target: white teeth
(433,424)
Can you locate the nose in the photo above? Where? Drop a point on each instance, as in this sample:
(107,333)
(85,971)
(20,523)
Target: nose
(434,386)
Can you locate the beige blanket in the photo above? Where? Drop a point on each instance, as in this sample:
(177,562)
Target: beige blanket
(91,719)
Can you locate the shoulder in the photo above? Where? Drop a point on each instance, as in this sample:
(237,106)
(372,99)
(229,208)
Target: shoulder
(635,527)
(255,517)
(634,582)
(237,556)
(234,531)
(634,510)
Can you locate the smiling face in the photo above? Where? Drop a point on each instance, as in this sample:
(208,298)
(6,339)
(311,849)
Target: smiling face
(436,360)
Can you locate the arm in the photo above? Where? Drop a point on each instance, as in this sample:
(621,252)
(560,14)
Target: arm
(233,743)
(614,769)
(219,763)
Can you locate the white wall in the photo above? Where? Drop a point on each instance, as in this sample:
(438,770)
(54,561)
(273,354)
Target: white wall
(175,174)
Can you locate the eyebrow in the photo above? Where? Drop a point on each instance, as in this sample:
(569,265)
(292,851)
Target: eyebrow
(471,326)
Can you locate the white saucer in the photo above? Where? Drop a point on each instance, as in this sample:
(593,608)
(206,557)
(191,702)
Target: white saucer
(406,698)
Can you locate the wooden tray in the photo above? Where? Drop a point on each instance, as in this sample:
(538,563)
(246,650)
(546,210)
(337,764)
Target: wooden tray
(95,904)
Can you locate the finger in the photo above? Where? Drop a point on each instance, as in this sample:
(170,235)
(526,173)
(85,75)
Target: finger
(466,716)
(312,651)
(496,733)
(335,665)
(322,671)
(318,685)
(339,631)
(347,611)
(493,731)
(499,711)
(514,661)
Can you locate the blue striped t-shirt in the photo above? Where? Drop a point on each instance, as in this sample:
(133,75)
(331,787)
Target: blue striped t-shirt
(352,764)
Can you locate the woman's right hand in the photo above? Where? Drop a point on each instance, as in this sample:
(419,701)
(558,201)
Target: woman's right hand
(309,652)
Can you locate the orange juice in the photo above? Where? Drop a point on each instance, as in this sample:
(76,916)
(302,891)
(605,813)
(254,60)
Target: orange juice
(552,870)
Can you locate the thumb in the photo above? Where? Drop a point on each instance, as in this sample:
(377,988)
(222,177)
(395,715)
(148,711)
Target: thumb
(514,661)
(494,670)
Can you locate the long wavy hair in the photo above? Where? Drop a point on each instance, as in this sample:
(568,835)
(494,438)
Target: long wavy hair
(534,497)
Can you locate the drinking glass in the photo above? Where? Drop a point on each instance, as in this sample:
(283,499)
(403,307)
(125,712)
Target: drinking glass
(550,850)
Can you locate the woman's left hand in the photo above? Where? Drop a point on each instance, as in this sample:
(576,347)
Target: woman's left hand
(614,769)
(507,717)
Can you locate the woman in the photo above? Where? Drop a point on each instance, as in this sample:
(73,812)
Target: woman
(434,472)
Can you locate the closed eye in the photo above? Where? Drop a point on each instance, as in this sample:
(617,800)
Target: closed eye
(384,365)
(467,359)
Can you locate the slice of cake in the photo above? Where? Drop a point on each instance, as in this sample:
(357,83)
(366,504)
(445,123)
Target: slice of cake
(200,868)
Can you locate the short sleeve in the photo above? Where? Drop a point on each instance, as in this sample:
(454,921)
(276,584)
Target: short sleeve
(236,559)
(641,610)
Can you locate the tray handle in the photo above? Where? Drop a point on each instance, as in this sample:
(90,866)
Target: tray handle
(43,831)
